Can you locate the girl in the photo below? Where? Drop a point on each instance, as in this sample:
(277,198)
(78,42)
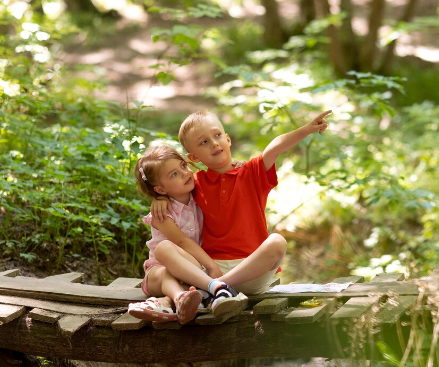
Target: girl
(175,251)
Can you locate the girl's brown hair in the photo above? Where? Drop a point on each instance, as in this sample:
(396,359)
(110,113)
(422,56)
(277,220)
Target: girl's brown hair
(150,163)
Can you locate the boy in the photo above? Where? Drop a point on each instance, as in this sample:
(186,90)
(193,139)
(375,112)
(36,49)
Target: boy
(233,200)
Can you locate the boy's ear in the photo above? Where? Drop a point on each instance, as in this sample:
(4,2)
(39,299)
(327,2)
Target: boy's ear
(160,190)
(228,139)
(193,157)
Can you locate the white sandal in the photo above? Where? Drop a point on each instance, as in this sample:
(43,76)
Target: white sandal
(152,310)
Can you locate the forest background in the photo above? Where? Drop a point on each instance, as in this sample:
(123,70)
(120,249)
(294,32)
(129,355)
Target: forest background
(86,86)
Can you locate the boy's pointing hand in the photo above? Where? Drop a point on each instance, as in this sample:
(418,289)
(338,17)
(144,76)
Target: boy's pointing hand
(319,123)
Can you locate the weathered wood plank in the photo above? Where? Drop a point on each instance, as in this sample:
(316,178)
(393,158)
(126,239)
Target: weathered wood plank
(173,325)
(60,307)
(104,320)
(388,277)
(67,277)
(128,322)
(10,273)
(44,315)
(70,324)
(406,288)
(394,308)
(125,283)
(302,315)
(355,307)
(268,306)
(10,312)
(69,292)
(352,278)
(280,315)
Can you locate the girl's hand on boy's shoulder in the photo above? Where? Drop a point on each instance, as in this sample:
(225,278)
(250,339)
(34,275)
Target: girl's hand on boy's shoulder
(159,208)
(238,164)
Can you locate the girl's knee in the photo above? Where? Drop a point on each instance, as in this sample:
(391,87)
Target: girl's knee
(162,249)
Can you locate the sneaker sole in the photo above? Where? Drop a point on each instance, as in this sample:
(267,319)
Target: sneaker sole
(229,305)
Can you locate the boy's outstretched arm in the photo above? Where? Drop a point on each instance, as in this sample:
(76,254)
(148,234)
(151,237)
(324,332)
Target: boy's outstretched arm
(286,141)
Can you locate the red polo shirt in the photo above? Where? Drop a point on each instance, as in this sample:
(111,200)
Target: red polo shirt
(233,205)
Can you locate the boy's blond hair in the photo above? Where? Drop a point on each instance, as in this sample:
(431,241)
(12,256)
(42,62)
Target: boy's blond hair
(192,121)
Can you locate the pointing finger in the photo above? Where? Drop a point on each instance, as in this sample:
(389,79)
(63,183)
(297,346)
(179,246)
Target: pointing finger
(322,115)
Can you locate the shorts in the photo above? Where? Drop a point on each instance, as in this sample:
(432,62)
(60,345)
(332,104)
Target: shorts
(255,286)
(148,265)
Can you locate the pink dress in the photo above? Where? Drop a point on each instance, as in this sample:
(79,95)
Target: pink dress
(189,218)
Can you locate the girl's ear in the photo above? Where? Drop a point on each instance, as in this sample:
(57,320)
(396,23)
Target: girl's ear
(160,190)
(193,157)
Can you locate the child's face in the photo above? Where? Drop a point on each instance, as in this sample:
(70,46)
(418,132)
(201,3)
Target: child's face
(175,178)
(209,144)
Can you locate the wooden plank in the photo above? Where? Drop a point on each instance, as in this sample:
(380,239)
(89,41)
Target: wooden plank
(69,292)
(268,306)
(67,277)
(44,315)
(60,307)
(355,307)
(104,320)
(10,273)
(403,288)
(302,315)
(128,322)
(10,312)
(173,325)
(211,319)
(70,324)
(352,278)
(394,308)
(388,277)
(280,315)
(126,283)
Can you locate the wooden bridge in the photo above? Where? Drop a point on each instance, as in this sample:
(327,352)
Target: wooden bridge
(61,318)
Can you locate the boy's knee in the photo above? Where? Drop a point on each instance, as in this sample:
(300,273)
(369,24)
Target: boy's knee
(278,244)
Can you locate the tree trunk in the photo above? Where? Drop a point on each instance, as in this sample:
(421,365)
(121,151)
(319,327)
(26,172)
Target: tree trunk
(274,35)
(307,15)
(389,53)
(347,37)
(86,6)
(335,52)
(368,50)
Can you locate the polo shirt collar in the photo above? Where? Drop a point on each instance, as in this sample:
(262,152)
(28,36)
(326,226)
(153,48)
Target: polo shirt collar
(213,176)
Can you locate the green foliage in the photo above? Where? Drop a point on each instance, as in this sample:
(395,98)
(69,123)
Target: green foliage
(66,157)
